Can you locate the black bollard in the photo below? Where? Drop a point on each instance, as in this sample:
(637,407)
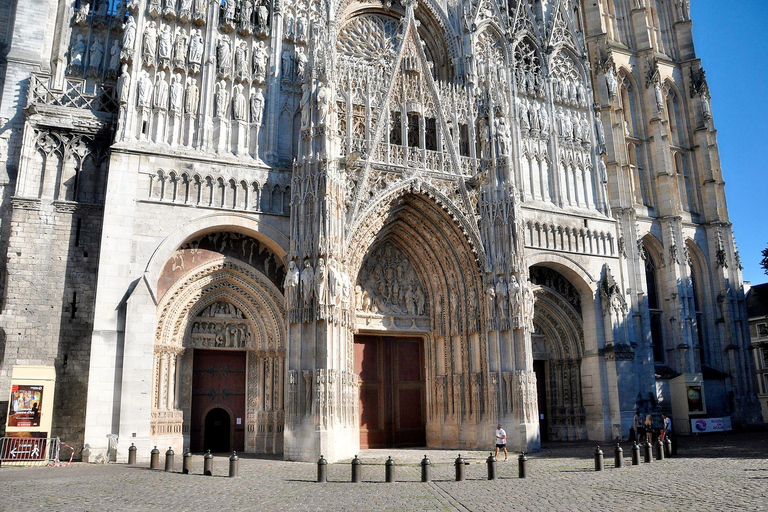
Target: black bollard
(357,470)
(674,447)
(522,465)
(234,465)
(491,461)
(322,470)
(169,459)
(460,472)
(667,447)
(618,456)
(635,454)
(659,450)
(154,458)
(208,463)
(389,470)
(599,459)
(132,454)
(186,466)
(426,469)
(647,452)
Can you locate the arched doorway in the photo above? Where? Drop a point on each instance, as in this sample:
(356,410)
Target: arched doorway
(217,431)
(558,345)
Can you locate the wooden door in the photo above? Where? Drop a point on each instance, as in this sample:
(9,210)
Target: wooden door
(218,381)
(392,405)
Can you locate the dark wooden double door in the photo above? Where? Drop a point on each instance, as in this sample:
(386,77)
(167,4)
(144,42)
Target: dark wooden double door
(218,401)
(392,403)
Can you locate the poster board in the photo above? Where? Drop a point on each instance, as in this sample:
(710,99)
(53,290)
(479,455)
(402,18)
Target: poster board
(30,403)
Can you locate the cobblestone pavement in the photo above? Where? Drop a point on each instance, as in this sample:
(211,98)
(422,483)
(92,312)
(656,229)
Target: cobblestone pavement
(718,472)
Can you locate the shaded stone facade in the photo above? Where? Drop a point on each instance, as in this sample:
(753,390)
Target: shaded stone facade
(530,189)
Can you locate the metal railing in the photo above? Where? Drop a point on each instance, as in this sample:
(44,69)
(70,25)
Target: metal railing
(28,450)
(74,93)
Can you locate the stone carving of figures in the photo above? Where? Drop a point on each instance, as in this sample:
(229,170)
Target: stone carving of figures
(77,54)
(534,115)
(229,11)
(529,304)
(291,283)
(602,172)
(257,106)
(192,98)
(521,80)
(195,51)
(95,57)
(544,120)
(123,85)
(177,93)
(410,301)
(161,92)
(201,10)
(307,280)
(81,16)
(101,10)
(301,63)
(502,136)
(185,8)
(155,7)
(145,90)
(659,96)
(576,127)
(221,99)
(501,296)
(513,297)
(239,109)
(114,58)
(305,106)
(223,56)
(246,11)
(259,62)
(541,87)
(301,29)
(149,48)
(585,131)
(287,65)
(241,61)
(324,99)
(567,126)
(129,34)
(611,82)
(581,94)
(180,49)
(262,14)
(288,27)
(706,107)
(572,93)
(485,138)
(530,82)
(358,296)
(557,90)
(525,123)
(170,8)
(421,300)
(491,301)
(600,131)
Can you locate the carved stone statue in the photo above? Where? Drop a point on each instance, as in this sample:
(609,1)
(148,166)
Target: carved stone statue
(223,57)
(544,121)
(706,107)
(320,282)
(81,16)
(165,46)
(161,92)
(262,17)
(287,69)
(96,55)
(301,64)
(291,284)
(229,11)
(177,93)
(77,54)
(259,62)
(502,136)
(658,95)
(528,305)
(585,129)
(221,99)
(180,49)
(149,47)
(244,19)
(241,61)
(195,51)
(123,85)
(305,106)
(600,131)
(239,109)
(114,58)
(301,29)
(257,106)
(525,123)
(288,22)
(324,99)
(192,97)
(307,279)
(145,90)
(485,137)
(129,36)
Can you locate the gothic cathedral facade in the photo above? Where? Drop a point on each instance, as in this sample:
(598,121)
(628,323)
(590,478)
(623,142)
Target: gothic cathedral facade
(302,227)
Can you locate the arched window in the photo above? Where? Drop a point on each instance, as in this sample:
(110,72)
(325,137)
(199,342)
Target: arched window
(698,310)
(663,21)
(654,310)
(639,175)
(686,183)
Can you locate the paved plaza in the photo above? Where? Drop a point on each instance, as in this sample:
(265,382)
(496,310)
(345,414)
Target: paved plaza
(718,472)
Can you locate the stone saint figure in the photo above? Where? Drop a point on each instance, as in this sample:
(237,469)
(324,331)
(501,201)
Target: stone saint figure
(123,85)
(238,104)
(321,281)
(257,106)
(324,98)
(287,68)
(241,61)
(165,45)
(611,82)
(149,46)
(145,90)
(221,99)
(301,63)
(129,33)
(114,57)
(196,50)
(259,62)
(78,50)
(161,92)
(223,56)
(502,134)
(291,284)
(193,97)
(659,96)
(180,49)
(307,279)
(177,92)
(544,121)
(96,55)
(305,107)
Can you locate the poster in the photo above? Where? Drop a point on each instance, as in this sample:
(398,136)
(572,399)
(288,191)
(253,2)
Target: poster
(695,403)
(711,425)
(24,406)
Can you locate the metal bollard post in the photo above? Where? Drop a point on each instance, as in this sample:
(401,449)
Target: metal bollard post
(659,450)
(234,465)
(647,452)
(426,469)
(132,454)
(491,461)
(169,459)
(618,456)
(186,467)
(599,459)
(635,454)
(208,463)
(357,470)
(86,454)
(522,465)
(460,471)
(389,470)
(154,459)
(667,447)
(322,470)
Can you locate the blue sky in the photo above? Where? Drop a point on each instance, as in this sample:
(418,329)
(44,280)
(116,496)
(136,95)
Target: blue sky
(730,37)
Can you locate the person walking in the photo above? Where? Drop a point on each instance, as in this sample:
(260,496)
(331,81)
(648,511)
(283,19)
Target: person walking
(667,428)
(648,428)
(639,429)
(501,441)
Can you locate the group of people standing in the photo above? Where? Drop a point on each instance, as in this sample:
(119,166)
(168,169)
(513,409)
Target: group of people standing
(643,429)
